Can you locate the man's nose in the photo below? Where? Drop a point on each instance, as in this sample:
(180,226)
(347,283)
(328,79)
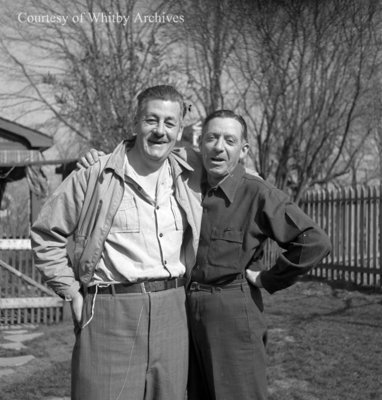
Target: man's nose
(219,144)
(160,129)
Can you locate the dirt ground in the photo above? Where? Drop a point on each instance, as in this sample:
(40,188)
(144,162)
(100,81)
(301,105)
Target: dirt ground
(325,343)
(46,377)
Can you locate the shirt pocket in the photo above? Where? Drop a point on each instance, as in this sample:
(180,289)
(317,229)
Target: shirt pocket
(225,248)
(127,217)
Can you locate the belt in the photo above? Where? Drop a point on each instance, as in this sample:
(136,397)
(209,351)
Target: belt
(141,287)
(204,287)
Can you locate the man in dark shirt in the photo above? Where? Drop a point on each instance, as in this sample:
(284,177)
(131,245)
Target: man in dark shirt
(240,211)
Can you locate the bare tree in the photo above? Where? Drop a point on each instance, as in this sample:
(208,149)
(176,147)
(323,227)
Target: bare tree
(307,67)
(85,71)
(299,71)
(377,137)
(206,42)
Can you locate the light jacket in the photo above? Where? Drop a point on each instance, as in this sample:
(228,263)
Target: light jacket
(69,233)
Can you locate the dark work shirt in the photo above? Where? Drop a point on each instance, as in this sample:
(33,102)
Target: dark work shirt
(239,214)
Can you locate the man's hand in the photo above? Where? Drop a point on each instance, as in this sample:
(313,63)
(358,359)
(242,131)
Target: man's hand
(89,158)
(253,278)
(77,304)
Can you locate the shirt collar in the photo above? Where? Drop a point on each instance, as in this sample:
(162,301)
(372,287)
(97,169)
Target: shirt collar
(116,161)
(231,182)
(130,173)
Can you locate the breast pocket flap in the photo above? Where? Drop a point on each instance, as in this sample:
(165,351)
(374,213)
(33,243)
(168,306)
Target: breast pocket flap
(228,235)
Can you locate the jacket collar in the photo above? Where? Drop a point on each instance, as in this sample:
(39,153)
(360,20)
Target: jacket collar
(116,160)
(178,162)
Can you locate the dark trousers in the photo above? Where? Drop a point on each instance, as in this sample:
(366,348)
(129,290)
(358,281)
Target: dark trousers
(134,348)
(228,337)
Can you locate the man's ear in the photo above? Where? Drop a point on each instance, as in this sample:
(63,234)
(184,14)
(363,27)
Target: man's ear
(244,151)
(200,139)
(136,119)
(180,133)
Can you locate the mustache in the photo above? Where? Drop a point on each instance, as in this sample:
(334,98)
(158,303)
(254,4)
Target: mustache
(157,139)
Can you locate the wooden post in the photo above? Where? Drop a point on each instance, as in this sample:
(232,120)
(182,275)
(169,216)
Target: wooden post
(380,236)
(35,206)
(376,231)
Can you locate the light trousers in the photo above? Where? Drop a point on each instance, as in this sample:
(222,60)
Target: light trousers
(135,347)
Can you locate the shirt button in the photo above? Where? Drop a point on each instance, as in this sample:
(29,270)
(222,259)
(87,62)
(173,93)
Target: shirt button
(161,235)
(165,262)
(157,207)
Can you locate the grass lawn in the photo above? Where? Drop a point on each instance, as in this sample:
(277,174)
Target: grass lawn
(323,344)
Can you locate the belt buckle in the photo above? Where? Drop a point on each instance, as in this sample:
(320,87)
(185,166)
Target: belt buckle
(153,286)
(195,286)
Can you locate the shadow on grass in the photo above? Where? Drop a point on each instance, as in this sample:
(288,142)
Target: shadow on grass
(352,297)
(324,343)
(343,285)
(53,381)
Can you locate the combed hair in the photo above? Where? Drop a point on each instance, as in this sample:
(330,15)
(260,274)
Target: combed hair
(228,114)
(161,92)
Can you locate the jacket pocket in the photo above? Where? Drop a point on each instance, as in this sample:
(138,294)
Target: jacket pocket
(127,218)
(80,242)
(225,248)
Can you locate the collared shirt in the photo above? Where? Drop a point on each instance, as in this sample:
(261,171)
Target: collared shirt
(239,214)
(69,233)
(145,239)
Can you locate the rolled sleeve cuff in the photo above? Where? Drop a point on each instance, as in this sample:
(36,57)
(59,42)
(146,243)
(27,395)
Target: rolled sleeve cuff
(70,292)
(267,282)
(277,278)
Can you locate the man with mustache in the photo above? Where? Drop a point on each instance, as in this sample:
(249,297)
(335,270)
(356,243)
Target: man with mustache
(135,219)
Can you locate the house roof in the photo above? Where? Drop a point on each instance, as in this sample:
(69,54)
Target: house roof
(35,139)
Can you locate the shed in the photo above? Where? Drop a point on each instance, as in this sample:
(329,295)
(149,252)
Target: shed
(20,157)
